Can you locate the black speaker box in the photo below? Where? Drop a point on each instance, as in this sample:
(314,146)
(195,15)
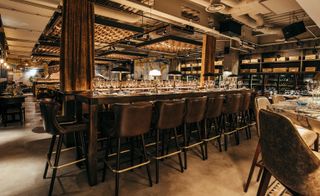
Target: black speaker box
(226,50)
(293,29)
(230,27)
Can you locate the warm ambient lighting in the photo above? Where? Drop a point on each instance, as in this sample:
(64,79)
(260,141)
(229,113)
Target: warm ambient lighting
(154,72)
(1,61)
(32,72)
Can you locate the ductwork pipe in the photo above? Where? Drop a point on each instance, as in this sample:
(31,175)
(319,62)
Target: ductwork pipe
(238,11)
(107,12)
(153,12)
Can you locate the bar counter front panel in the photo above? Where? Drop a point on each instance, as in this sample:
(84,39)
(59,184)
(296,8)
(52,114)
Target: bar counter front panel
(94,100)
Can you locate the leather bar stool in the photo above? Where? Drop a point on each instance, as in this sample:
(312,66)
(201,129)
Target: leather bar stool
(195,111)
(244,114)
(51,125)
(131,120)
(230,117)
(170,115)
(213,120)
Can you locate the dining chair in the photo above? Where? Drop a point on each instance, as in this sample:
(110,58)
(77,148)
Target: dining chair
(310,137)
(299,169)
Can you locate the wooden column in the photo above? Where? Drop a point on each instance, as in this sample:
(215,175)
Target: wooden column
(208,56)
(77,45)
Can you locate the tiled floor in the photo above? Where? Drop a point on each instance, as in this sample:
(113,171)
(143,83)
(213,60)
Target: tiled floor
(22,159)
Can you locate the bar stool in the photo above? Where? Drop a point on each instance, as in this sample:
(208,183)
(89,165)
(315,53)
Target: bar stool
(131,121)
(195,110)
(244,114)
(48,113)
(230,117)
(170,115)
(213,119)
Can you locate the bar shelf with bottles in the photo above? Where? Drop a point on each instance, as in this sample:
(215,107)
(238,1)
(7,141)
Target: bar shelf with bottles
(192,69)
(279,72)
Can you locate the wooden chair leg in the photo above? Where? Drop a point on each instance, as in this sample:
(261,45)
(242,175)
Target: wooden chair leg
(253,165)
(263,186)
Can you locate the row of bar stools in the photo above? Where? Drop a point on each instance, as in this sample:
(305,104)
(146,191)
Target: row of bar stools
(51,125)
(170,114)
(131,121)
(213,120)
(230,117)
(195,111)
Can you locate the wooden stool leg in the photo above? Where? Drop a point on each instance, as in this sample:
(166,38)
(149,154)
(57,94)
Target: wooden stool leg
(146,159)
(185,144)
(264,183)
(157,155)
(253,165)
(53,140)
(118,167)
(178,148)
(56,162)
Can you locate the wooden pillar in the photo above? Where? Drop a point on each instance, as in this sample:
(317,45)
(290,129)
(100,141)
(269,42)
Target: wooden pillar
(208,56)
(77,45)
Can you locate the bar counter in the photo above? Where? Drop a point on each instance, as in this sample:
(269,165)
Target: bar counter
(94,100)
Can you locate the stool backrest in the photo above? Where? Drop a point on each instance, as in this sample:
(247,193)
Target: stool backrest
(170,113)
(132,119)
(286,156)
(246,97)
(261,102)
(195,109)
(214,106)
(49,110)
(232,103)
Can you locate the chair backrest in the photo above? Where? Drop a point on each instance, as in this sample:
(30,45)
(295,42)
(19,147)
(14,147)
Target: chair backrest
(49,110)
(232,103)
(170,113)
(260,102)
(285,155)
(132,119)
(195,109)
(245,103)
(214,106)
(277,98)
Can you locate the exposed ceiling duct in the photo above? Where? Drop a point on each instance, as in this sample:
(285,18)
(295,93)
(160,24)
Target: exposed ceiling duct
(160,14)
(247,12)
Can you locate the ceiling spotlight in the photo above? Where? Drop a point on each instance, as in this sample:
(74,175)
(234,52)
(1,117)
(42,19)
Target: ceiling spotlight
(215,6)
(1,61)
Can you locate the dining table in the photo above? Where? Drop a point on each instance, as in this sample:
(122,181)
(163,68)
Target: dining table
(303,111)
(7,101)
(94,99)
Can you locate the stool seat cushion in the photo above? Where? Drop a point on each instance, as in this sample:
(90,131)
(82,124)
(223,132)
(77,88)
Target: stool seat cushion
(75,127)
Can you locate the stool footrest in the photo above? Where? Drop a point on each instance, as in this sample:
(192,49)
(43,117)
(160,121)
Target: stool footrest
(167,155)
(192,145)
(128,168)
(66,164)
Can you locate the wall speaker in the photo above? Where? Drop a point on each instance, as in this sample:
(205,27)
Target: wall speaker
(230,27)
(293,29)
